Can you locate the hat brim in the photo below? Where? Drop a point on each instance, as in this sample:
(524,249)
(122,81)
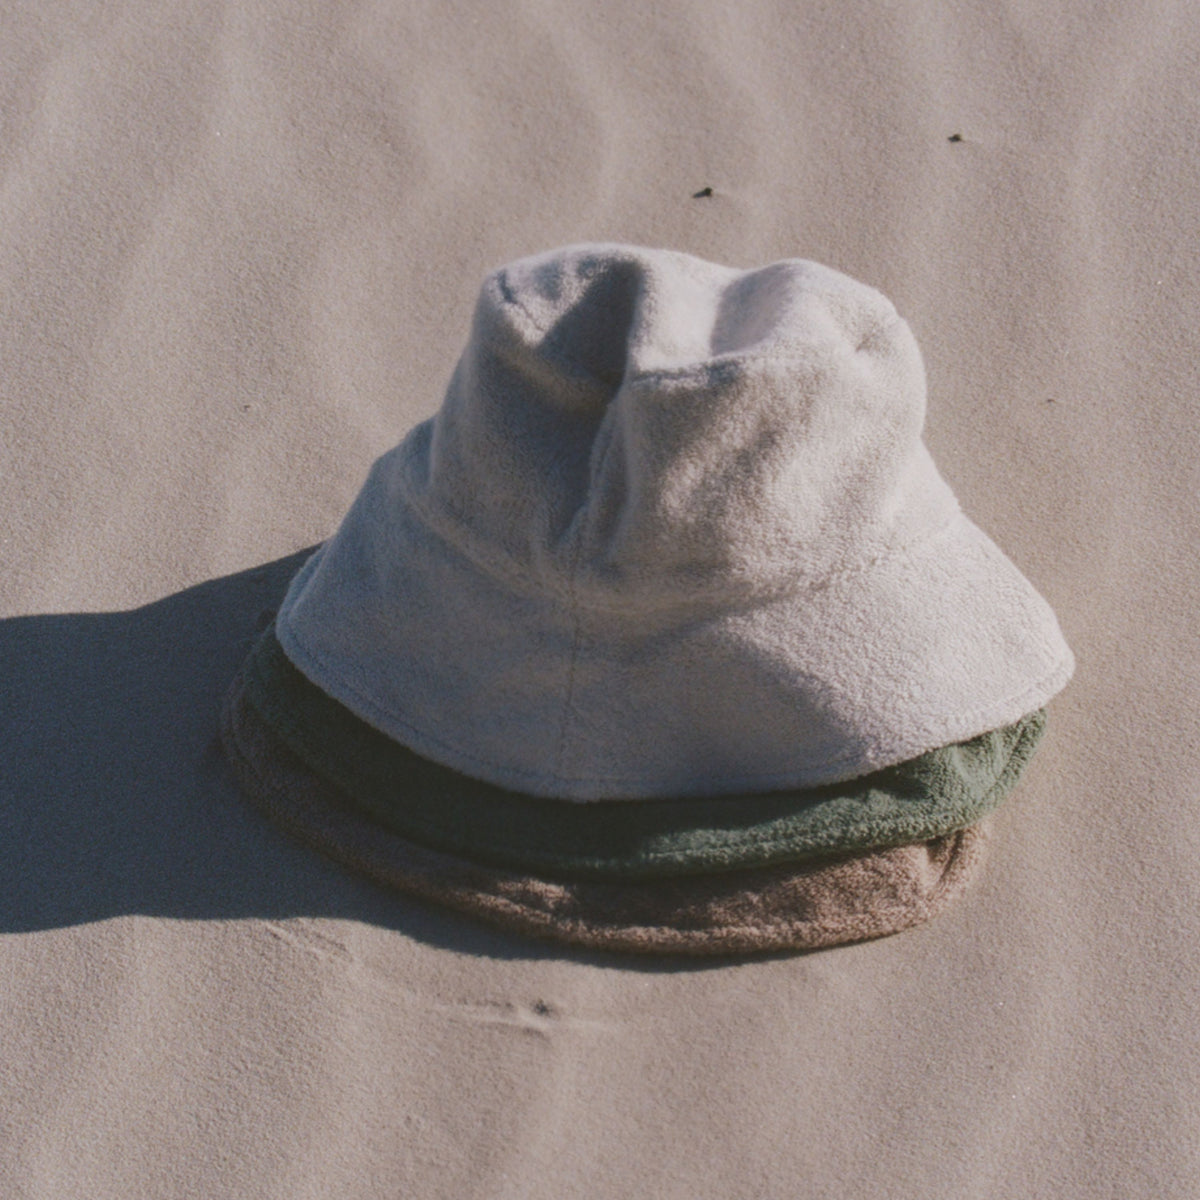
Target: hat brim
(944,790)
(800,906)
(817,684)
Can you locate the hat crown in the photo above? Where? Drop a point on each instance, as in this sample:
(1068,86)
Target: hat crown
(644,427)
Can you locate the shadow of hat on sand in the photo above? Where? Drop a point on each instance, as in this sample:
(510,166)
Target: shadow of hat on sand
(116,799)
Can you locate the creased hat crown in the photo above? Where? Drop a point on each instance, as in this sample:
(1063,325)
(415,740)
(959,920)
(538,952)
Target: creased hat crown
(633,425)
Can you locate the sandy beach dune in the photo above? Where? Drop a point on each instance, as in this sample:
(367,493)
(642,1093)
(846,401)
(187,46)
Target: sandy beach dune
(239,248)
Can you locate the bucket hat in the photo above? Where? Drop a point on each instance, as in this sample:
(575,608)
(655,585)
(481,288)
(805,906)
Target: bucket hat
(673,532)
(673,555)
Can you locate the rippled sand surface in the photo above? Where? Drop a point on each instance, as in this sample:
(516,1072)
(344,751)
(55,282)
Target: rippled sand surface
(239,247)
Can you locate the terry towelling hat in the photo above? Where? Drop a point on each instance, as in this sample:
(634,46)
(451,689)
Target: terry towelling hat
(663,628)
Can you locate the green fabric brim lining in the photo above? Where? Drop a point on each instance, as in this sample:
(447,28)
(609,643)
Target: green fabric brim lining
(927,797)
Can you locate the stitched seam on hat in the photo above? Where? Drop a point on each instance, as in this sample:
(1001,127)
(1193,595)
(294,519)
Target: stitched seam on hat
(573,596)
(733,360)
(524,581)
(568,692)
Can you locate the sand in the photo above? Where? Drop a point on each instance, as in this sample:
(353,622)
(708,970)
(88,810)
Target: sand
(239,245)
